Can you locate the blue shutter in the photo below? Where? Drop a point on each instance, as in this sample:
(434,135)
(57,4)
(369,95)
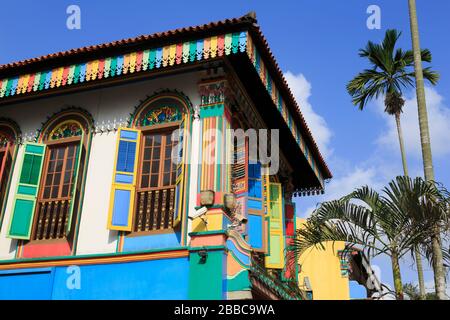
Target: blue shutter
(123,188)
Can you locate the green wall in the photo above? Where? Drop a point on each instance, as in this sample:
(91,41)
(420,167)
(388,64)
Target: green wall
(207,280)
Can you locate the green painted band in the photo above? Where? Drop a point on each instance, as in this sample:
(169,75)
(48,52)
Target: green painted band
(215,110)
(205,233)
(207,248)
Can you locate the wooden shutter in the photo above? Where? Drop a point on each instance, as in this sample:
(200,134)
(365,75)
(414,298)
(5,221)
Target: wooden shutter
(275,259)
(290,271)
(179,180)
(123,188)
(73,196)
(255,206)
(239,168)
(27,189)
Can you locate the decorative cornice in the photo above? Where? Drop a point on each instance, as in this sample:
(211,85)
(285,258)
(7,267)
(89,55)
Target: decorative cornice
(160,93)
(133,62)
(89,125)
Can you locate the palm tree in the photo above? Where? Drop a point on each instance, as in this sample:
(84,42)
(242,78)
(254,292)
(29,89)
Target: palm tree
(381,225)
(414,294)
(439,274)
(390,74)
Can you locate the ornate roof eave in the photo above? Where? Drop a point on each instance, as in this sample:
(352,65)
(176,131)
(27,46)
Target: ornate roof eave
(262,281)
(180,46)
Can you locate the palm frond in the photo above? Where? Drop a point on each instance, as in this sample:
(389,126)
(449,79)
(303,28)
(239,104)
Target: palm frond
(391,70)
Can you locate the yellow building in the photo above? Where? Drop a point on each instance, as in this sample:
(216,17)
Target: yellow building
(322,271)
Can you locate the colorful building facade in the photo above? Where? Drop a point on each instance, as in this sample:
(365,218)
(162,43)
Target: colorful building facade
(337,272)
(120,178)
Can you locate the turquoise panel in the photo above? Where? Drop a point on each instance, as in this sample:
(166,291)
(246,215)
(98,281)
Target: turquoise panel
(27,190)
(22,216)
(34,149)
(212,111)
(239,282)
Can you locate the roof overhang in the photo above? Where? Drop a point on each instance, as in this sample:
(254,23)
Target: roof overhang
(238,40)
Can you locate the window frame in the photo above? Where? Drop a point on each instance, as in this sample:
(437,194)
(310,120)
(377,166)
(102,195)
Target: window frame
(51,144)
(158,128)
(44,170)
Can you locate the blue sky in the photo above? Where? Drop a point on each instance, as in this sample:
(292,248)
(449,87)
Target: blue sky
(315,43)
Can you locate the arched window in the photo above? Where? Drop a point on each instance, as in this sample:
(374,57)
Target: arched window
(49,192)
(8,136)
(147,192)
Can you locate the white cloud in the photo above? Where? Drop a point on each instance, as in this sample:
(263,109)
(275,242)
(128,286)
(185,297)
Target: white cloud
(345,184)
(438,119)
(301,89)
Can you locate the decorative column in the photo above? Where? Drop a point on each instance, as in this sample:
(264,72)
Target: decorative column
(210,220)
(215,155)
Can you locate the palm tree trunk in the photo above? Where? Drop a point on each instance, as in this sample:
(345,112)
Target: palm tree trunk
(420,273)
(402,146)
(420,90)
(438,265)
(405,170)
(398,286)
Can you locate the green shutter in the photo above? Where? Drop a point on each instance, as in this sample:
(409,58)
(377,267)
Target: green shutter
(275,259)
(76,173)
(27,190)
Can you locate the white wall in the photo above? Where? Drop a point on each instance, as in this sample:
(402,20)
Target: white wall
(110,104)
(93,236)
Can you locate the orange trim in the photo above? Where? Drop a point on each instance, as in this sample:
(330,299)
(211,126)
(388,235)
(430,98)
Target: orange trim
(97,260)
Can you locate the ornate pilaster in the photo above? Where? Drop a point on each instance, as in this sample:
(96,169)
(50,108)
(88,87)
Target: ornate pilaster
(216,150)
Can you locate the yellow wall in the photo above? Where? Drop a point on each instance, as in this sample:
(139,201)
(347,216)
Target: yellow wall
(322,267)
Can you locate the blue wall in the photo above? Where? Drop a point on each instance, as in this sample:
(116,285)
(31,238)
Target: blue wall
(35,284)
(155,241)
(162,279)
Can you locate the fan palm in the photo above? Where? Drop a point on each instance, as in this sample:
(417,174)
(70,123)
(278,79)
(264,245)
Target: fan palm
(383,224)
(391,73)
